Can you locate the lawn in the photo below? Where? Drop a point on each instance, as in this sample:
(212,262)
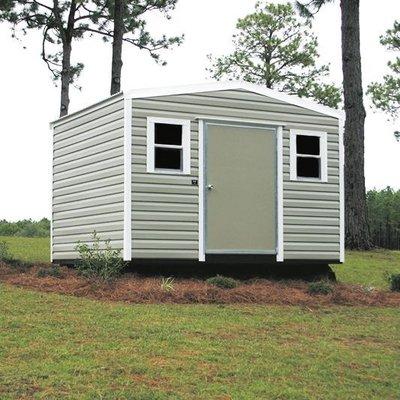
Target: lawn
(28,249)
(368,268)
(63,347)
(59,347)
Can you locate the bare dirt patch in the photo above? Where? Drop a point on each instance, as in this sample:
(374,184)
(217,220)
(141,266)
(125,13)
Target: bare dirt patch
(132,288)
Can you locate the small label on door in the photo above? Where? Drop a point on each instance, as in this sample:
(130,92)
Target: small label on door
(195,182)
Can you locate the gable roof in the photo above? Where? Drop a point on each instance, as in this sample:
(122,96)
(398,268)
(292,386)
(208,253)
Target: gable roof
(210,87)
(235,85)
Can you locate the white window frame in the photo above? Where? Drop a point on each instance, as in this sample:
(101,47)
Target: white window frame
(185,146)
(323,155)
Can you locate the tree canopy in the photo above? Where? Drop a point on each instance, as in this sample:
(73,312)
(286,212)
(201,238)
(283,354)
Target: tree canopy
(275,47)
(386,94)
(64,21)
(126,22)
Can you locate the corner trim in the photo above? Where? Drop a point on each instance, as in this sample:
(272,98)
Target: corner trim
(52,190)
(341,191)
(127,252)
(202,255)
(279,193)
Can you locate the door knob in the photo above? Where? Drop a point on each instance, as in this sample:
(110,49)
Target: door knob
(210,187)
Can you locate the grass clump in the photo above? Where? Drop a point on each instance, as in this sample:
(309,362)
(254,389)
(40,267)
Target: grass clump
(394,282)
(320,287)
(167,284)
(5,254)
(98,261)
(10,260)
(54,271)
(223,282)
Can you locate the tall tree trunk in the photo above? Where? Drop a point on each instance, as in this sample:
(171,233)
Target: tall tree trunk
(119,7)
(357,232)
(65,78)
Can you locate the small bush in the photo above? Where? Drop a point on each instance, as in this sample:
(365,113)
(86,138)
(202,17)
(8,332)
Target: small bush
(223,282)
(320,287)
(95,262)
(5,252)
(394,282)
(167,284)
(53,271)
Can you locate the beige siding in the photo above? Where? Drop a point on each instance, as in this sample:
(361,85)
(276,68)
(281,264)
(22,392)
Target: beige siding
(88,177)
(311,210)
(165,207)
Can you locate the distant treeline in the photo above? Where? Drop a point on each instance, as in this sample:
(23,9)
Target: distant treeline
(384,217)
(25,227)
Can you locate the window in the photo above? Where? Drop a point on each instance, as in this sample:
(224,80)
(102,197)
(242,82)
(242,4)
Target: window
(308,156)
(168,146)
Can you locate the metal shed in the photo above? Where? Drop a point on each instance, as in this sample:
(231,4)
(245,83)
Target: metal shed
(195,171)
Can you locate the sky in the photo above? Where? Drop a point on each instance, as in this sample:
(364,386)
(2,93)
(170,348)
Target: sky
(29,100)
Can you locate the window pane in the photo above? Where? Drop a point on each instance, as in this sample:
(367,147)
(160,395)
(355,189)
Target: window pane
(167,158)
(168,134)
(308,167)
(307,144)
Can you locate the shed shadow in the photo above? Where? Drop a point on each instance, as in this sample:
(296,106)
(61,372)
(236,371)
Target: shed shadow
(239,268)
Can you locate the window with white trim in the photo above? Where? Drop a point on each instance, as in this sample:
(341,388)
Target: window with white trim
(168,145)
(308,156)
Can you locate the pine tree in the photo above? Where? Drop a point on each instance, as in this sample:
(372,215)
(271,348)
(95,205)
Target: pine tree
(276,48)
(357,231)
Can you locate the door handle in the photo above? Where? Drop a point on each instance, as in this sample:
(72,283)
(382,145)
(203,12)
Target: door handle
(210,187)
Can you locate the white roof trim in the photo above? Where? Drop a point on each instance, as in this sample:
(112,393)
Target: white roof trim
(237,85)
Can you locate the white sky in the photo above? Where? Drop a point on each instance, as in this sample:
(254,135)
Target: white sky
(29,100)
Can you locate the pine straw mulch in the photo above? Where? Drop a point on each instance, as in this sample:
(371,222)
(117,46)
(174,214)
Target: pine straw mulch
(132,288)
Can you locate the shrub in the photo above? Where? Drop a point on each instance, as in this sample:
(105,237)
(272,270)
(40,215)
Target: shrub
(53,271)
(4,252)
(394,282)
(320,287)
(167,284)
(96,262)
(223,282)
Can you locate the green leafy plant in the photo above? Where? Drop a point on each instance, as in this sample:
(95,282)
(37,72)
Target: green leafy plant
(223,282)
(320,287)
(167,284)
(97,261)
(394,282)
(53,271)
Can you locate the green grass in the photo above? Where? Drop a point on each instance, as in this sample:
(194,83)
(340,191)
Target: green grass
(28,249)
(368,268)
(59,347)
(365,268)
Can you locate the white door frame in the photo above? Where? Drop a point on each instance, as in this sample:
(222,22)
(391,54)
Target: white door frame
(278,127)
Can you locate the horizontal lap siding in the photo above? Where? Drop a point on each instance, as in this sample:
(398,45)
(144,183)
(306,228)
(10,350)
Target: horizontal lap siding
(311,212)
(88,179)
(165,207)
